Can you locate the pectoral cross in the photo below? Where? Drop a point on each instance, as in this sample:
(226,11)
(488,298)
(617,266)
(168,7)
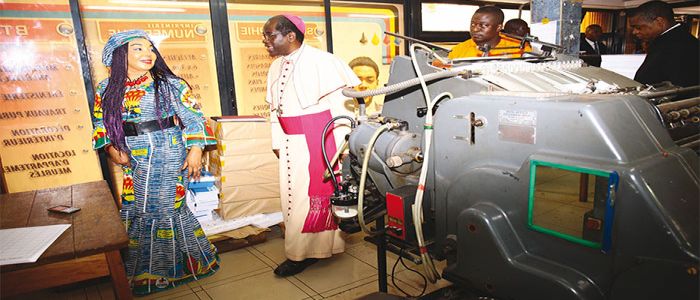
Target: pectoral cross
(278,111)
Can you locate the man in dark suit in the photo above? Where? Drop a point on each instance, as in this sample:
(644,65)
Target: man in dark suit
(673,52)
(591,47)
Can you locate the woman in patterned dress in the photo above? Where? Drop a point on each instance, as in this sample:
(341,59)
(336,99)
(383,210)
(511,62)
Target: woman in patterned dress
(148,122)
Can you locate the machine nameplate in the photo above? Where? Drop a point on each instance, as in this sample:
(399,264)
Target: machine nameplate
(517,126)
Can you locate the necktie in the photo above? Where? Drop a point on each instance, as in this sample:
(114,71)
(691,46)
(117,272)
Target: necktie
(595,46)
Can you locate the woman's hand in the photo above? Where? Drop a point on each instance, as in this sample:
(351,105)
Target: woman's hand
(119,157)
(193,163)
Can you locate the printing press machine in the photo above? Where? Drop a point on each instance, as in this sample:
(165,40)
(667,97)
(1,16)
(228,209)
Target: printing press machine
(535,178)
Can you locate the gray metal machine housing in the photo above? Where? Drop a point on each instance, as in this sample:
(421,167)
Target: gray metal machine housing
(497,120)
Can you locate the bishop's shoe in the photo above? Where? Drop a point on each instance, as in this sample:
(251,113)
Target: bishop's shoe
(290,267)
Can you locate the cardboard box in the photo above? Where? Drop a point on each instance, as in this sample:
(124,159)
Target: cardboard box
(239,209)
(250,192)
(247,177)
(219,165)
(241,128)
(244,146)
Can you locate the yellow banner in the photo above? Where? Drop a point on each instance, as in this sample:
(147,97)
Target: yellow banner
(357,31)
(167,32)
(186,46)
(45,126)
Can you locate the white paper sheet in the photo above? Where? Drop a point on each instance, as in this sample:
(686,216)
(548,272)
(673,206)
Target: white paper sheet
(545,32)
(623,64)
(258,220)
(26,244)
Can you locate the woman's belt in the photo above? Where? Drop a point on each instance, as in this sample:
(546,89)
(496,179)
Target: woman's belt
(134,129)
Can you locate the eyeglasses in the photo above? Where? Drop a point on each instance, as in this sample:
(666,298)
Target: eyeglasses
(268,35)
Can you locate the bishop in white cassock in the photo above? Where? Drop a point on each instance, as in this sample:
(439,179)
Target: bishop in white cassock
(304,92)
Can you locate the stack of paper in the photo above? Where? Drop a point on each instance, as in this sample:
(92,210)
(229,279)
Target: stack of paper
(218,225)
(203,197)
(206,179)
(247,171)
(26,244)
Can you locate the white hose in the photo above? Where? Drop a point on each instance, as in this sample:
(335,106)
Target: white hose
(390,89)
(363,176)
(429,267)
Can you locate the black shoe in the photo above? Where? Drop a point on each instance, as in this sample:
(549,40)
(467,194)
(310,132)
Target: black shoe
(290,267)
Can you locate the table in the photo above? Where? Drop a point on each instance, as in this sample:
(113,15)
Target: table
(88,249)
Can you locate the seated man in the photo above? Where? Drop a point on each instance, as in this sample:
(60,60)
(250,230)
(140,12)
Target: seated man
(516,27)
(485,40)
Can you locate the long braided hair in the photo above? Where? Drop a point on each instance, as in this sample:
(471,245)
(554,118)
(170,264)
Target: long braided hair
(113,97)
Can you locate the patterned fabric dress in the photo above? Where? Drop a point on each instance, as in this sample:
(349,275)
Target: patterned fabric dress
(167,246)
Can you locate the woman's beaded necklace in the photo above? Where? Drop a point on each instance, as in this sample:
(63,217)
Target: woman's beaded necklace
(137,81)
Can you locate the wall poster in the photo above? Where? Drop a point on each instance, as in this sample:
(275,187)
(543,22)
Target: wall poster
(45,125)
(181,31)
(357,31)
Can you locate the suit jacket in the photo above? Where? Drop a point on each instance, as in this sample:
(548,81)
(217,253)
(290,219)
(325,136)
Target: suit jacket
(588,49)
(672,57)
(588,53)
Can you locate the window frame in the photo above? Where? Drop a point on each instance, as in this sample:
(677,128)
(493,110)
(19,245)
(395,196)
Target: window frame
(450,36)
(613,183)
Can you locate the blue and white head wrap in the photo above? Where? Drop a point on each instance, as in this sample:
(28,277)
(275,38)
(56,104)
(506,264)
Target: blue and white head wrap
(118,39)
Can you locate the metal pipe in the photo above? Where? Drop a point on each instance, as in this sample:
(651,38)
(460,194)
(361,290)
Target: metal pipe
(682,113)
(669,92)
(676,105)
(329,25)
(692,140)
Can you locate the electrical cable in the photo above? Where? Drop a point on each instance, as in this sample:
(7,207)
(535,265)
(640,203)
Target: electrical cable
(393,271)
(343,147)
(323,148)
(417,207)
(363,176)
(428,264)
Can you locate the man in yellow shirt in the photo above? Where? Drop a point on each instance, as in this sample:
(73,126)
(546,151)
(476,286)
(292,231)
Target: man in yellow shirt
(485,26)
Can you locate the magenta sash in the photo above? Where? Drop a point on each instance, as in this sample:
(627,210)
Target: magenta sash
(319,217)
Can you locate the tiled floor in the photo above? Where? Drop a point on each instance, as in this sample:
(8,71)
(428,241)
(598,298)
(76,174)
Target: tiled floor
(557,204)
(247,274)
